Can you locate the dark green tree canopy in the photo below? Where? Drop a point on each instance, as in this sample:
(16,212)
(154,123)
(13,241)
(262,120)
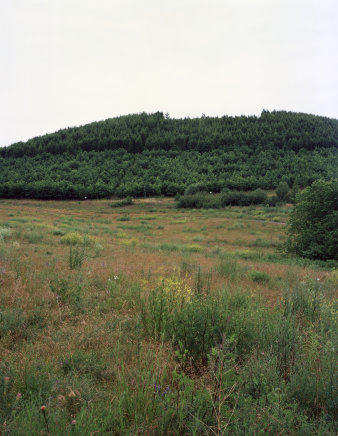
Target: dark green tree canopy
(151,154)
(139,132)
(313,225)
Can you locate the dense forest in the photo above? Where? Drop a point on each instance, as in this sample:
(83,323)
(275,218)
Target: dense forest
(152,154)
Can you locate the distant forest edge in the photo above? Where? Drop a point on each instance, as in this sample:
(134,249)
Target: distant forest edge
(152,154)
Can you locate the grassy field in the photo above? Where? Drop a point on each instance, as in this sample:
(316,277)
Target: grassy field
(150,320)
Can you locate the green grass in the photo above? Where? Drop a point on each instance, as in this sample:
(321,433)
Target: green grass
(168,336)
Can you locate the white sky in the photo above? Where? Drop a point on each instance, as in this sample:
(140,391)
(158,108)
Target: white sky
(69,62)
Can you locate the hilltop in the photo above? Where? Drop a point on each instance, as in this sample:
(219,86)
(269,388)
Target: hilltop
(152,154)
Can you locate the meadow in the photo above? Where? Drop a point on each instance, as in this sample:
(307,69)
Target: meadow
(146,319)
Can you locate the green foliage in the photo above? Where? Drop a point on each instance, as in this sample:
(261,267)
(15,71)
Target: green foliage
(199,200)
(282,191)
(72,238)
(272,201)
(259,276)
(5,232)
(207,200)
(66,290)
(313,224)
(230,268)
(238,198)
(76,257)
(143,155)
(195,188)
(128,201)
(123,218)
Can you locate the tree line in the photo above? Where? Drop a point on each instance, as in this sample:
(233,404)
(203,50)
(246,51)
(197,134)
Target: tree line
(142,155)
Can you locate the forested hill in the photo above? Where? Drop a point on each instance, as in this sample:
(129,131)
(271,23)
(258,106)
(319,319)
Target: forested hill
(152,154)
(137,133)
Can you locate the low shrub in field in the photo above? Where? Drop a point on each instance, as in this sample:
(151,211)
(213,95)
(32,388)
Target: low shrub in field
(229,268)
(259,276)
(128,201)
(236,226)
(239,198)
(177,290)
(34,236)
(148,217)
(206,200)
(66,290)
(72,239)
(132,242)
(75,238)
(123,218)
(192,248)
(199,200)
(169,247)
(198,323)
(76,256)
(5,232)
(58,232)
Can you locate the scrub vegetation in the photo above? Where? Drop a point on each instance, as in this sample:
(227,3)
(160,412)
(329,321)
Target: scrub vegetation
(145,318)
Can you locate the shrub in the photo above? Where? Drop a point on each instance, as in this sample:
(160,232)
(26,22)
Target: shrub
(128,201)
(195,188)
(58,232)
(259,276)
(123,218)
(200,200)
(75,238)
(272,201)
(229,268)
(34,236)
(4,233)
(72,238)
(192,248)
(76,256)
(240,198)
(313,224)
(205,200)
(282,191)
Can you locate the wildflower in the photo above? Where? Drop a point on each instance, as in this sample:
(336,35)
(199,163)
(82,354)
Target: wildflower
(157,388)
(73,421)
(18,396)
(43,410)
(116,277)
(164,393)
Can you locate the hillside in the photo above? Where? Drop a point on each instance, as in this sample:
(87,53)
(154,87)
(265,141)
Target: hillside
(152,154)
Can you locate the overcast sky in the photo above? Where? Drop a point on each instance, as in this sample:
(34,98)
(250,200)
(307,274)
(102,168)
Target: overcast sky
(70,62)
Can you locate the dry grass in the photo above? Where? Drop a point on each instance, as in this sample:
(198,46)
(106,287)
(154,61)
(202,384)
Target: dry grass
(64,326)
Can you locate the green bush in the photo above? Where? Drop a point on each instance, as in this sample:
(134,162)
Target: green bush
(200,200)
(195,188)
(205,200)
(5,232)
(313,224)
(240,198)
(259,276)
(128,201)
(272,201)
(282,191)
